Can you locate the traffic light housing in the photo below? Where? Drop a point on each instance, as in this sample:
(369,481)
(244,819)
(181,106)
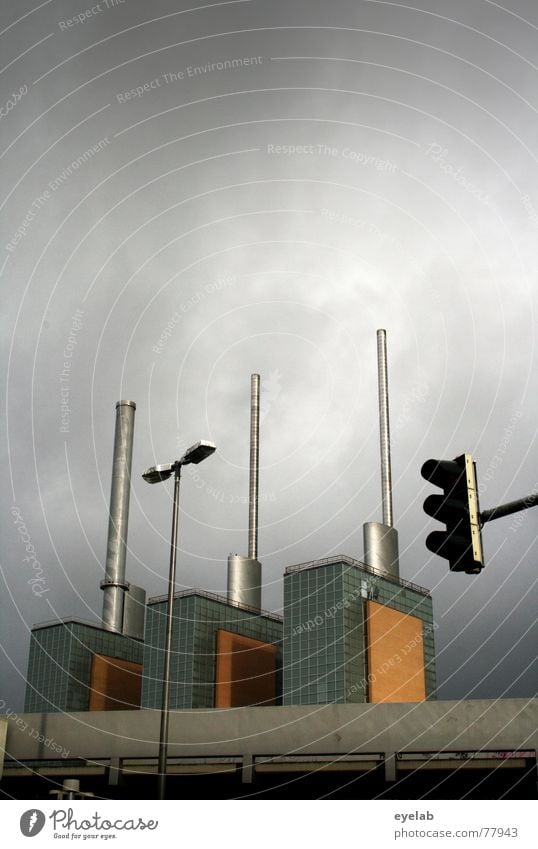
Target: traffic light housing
(458,509)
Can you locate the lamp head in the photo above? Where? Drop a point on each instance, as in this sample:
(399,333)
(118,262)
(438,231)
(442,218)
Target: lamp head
(195,454)
(156,474)
(198,452)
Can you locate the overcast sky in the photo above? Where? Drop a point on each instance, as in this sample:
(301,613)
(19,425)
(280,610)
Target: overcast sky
(193,196)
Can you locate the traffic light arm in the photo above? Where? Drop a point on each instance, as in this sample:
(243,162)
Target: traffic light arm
(509,508)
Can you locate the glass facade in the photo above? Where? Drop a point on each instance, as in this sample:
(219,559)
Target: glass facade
(324,629)
(322,652)
(59,666)
(197,618)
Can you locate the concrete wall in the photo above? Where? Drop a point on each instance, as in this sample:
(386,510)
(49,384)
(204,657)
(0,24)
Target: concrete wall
(384,728)
(3,735)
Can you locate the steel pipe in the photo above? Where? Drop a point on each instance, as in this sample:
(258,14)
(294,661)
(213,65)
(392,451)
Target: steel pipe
(114,584)
(384,427)
(253,489)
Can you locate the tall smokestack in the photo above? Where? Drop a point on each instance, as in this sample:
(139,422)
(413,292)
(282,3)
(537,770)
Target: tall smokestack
(384,427)
(244,573)
(254,466)
(114,584)
(381,538)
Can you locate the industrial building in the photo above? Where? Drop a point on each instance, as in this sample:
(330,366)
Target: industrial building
(77,666)
(355,634)
(223,654)
(349,634)
(351,631)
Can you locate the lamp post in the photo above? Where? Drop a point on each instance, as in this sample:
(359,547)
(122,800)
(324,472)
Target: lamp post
(157,474)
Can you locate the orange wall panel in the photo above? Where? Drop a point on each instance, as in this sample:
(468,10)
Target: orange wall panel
(115,684)
(245,671)
(395,655)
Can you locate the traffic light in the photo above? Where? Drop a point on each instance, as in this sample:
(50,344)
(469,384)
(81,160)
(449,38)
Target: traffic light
(457,508)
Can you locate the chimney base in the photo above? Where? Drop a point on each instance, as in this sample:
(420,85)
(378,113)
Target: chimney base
(244,581)
(381,548)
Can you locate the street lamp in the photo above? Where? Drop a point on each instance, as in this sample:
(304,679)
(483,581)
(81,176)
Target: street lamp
(157,474)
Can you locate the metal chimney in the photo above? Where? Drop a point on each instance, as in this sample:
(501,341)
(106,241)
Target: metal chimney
(253,487)
(244,573)
(114,584)
(381,539)
(384,427)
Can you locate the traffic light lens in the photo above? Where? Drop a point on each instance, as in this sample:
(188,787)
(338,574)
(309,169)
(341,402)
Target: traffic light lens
(441,472)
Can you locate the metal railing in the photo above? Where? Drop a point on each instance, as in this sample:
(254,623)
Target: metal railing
(298,567)
(70,619)
(216,597)
(350,561)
